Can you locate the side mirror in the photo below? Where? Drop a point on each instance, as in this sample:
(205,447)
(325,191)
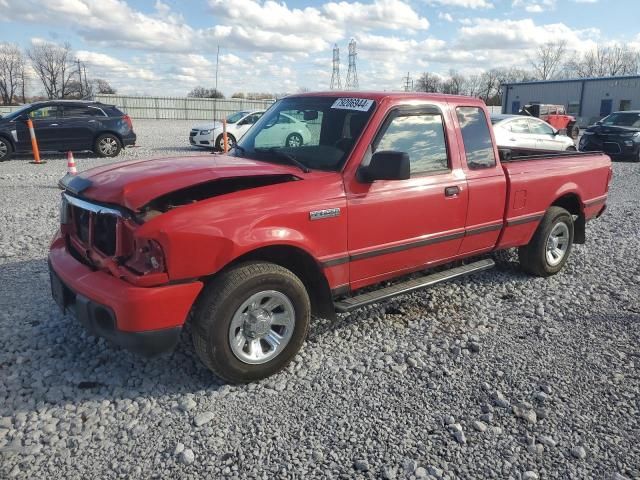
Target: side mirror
(386,165)
(556,132)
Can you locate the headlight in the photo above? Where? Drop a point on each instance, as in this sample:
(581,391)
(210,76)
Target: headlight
(636,135)
(205,132)
(147,257)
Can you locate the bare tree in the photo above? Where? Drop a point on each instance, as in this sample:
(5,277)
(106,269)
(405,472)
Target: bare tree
(605,61)
(548,60)
(489,87)
(201,92)
(103,87)
(428,82)
(12,71)
(53,65)
(454,84)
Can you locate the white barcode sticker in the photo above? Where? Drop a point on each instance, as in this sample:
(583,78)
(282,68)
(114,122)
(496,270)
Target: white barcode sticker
(359,104)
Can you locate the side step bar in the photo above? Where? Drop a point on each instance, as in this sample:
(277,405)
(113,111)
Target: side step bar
(376,296)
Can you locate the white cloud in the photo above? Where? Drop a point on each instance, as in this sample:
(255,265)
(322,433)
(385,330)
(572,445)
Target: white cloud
(385,14)
(536,6)
(445,16)
(462,3)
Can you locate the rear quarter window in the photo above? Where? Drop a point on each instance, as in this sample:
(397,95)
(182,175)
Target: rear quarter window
(478,146)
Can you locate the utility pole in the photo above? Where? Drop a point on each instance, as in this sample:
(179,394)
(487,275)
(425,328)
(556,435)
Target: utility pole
(215,98)
(80,76)
(352,73)
(335,75)
(86,82)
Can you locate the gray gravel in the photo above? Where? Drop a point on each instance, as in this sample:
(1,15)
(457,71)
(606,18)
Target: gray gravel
(496,376)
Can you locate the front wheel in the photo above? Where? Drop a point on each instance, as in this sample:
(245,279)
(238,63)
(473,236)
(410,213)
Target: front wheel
(107,145)
(231,141)
(294,140)
(5,149)
(548,250)
(251,321)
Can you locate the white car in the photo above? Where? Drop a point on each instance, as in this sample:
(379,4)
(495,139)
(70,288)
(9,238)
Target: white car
(209,135)
(283,131)
(518,131)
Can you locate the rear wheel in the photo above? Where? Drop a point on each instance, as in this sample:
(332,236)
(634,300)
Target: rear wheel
(573,130)
(6,150)
(548,250)
(571,149)
(107,145)
(251,321)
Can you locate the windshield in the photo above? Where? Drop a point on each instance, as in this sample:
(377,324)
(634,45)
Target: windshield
(318,132)
(16,113)
(623,120)
(235,117)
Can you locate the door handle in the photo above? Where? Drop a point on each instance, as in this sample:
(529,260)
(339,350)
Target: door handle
(91,121)
(53,125)
(451,191)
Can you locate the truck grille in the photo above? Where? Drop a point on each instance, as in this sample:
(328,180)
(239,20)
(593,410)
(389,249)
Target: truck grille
(94,227)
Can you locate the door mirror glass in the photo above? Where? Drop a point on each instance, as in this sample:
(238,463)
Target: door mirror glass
(386,165)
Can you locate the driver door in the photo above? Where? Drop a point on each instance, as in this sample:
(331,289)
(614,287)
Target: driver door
(399,225)
(46,125)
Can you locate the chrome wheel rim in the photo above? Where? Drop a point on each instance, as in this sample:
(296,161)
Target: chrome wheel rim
(262,327)
(557,244)
(108,146)
(294,141)
(3,149)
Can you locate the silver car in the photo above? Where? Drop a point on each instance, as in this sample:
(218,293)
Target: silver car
(518,131)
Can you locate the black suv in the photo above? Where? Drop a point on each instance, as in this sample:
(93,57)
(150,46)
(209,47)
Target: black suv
(617,135)
(63,125)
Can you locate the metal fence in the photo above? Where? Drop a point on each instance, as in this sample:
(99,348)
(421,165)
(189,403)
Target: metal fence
(181,108)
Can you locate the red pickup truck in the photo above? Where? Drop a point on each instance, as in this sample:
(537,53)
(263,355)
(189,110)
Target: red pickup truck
(247,246)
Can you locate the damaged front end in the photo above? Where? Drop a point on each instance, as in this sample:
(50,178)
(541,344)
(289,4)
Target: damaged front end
(203,191)
(105,237)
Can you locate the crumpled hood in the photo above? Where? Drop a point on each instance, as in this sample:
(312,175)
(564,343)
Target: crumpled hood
(207,126)
(136,183)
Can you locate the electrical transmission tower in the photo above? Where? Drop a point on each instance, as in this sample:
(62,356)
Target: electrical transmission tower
(408,83)
(352,73)
(335,76)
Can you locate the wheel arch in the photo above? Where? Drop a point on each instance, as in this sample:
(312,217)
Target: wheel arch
(304,266)
(104,132)
(9,139)
(572,203)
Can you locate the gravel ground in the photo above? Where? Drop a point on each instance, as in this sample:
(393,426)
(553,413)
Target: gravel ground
(494,376)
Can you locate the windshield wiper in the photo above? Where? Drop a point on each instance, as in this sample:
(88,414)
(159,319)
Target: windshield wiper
(287,156)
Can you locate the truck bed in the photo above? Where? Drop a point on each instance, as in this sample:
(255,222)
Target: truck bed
(510,154)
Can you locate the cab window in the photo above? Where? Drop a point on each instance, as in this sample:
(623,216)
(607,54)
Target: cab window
(476,137)
(420,135)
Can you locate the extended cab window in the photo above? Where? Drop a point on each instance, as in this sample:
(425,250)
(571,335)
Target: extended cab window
(419,135)
(72,111)
(476,137)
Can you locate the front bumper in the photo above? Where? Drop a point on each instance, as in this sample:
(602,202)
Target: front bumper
(201,140)
(614,147)
(147,321)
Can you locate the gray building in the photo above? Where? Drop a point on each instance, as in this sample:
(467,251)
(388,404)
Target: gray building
(588,99)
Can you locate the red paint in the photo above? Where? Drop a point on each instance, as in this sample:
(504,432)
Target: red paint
(200,239)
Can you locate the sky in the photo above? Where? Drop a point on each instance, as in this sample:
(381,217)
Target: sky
(167,47)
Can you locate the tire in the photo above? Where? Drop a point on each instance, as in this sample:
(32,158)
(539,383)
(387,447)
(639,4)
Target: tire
(572,149)
(107,145)
(222,315)
(573,130)
(536,257)
(231,140)
(293,140)
(6,150)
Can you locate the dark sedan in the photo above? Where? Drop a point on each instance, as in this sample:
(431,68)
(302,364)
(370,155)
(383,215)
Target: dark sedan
(65,125)
(618,135)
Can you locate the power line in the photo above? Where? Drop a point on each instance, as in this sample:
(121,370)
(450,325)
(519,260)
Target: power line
(335,76)
(352,73)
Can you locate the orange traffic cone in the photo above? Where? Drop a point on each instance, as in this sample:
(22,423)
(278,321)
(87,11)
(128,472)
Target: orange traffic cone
(71,164)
